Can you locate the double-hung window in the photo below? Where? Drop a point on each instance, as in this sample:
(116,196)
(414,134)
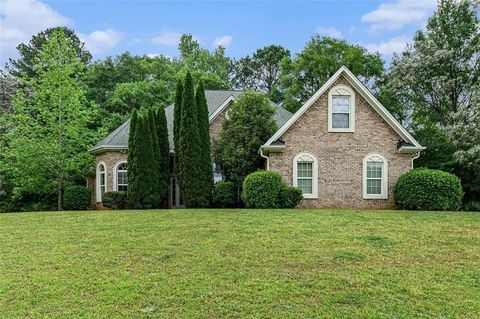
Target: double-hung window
(122,177)
(341,109)
(305,174)
(101,181)
(375,177)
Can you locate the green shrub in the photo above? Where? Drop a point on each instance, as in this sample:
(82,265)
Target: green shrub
(76,197)
(261,189)
(289,197)
(224,194)
(472,206)
(426,189)
(115,200)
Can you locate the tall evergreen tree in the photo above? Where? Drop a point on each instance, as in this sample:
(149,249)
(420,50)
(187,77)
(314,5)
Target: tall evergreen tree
(132,156)
(188,152)
(142,190)
(177,111)
(205,163)
(177,115)
(158,187)
(162,134)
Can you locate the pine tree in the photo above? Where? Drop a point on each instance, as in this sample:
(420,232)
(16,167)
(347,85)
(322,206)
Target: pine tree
(188,152)
(205,147)
(142,191)
(162,134)
(132,156)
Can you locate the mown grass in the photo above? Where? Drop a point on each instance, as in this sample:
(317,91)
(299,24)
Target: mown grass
(240,264)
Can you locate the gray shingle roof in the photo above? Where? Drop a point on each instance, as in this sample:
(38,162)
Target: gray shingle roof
(118,139)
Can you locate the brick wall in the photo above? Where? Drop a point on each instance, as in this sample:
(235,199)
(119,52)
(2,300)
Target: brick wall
(110,159)
(340,155)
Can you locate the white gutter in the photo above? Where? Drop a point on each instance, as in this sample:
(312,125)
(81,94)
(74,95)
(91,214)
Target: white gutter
(265,157)
(415,157)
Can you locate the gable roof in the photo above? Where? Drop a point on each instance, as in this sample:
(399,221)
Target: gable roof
(414,146)
(217,101)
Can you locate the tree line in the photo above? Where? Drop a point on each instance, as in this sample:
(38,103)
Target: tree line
(56,102)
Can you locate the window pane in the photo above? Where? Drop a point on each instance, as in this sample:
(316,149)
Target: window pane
(122,188)
(340,104)
(304,169)
(374,186)
(122,178)
(340,120)
(374,170)
(102,179)
(305,185)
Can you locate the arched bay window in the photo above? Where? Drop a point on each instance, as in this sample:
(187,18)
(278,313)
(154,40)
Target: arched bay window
(305,174)
(375,177)
(120,173)
(101,181)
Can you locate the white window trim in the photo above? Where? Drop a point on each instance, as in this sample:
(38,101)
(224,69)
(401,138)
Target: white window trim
(114,171)
(342,89)
(314,193)
(384,194)
(98,192)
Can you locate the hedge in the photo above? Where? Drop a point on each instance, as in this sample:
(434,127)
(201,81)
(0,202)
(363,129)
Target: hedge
(76,197)
(289,197)
(426,189)
(265,189)
(224,194)
(115,200)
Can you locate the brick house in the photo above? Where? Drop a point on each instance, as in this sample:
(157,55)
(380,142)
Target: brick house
(342,148)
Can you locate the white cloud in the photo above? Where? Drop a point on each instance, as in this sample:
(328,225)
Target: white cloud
(101,40)
(395,44)
(330,32)
(395,15)
(223,41)
(19,20)
(167,38)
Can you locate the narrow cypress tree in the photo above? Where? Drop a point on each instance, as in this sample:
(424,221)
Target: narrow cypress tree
(188,152)
(142,193)
(132,156)
(177,112)
(204,143)
(158,187)
(162,134)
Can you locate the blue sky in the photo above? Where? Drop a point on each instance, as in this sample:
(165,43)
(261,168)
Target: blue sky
(153,27)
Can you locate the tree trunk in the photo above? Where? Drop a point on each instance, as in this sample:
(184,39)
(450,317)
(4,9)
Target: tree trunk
(59,195)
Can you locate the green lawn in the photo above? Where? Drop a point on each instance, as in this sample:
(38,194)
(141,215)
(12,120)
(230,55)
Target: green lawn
(240,264)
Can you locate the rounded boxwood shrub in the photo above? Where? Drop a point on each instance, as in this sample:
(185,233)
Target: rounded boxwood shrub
(261,189)
(224,194)
(427,189)
(76,197)
(115,200)
(289,197)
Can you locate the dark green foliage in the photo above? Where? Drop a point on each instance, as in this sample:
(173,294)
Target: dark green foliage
(426,189)
(76,197)
(304,74)
(261,189)
(205,164)
(224,194)
(164,149)
(159,186)
(115,200)
(250,124)
(289,197)
(177,115)
(24,66)
(472,206)
(132,152)
(188,153)
(142,191)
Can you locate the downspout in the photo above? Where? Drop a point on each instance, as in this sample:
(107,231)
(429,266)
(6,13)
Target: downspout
(415,157)
(265,157)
